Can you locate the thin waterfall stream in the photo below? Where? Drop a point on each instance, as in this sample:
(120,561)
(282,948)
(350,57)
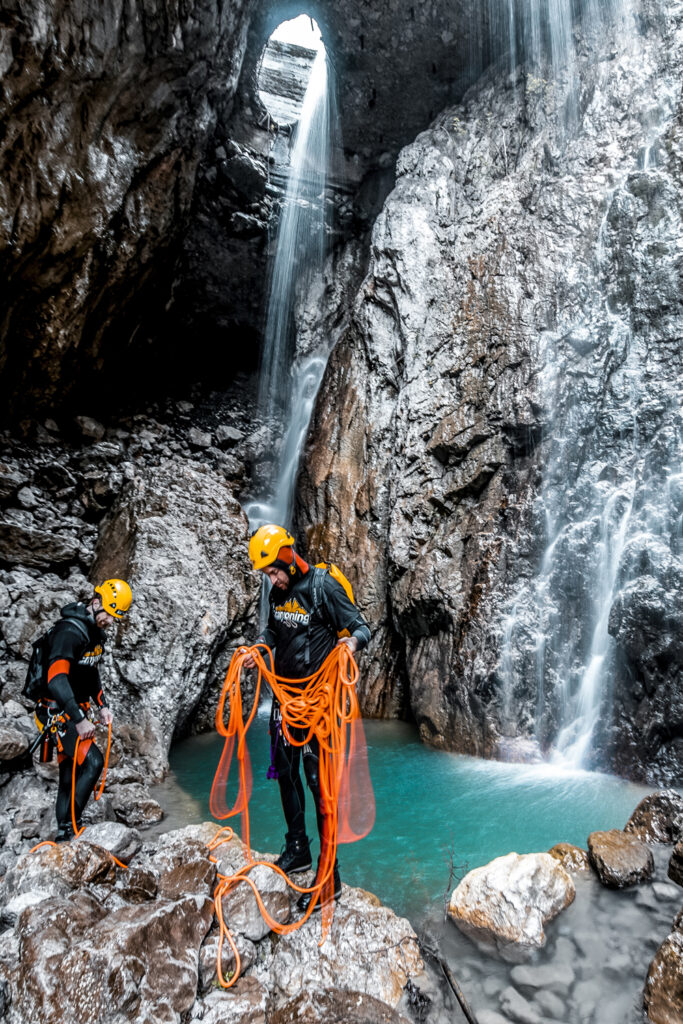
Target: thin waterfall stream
(288,384)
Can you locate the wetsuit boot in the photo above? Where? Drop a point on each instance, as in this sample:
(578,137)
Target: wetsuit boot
(304,900)
(65,832)
(296,855)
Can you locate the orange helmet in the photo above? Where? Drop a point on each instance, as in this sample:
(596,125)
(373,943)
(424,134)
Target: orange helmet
(265,545)
(116,597)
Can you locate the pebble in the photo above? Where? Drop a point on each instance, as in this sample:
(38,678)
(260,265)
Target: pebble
(517,1007)
(664,891)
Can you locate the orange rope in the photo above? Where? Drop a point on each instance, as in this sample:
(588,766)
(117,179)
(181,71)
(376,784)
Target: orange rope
(324,705)
(98,794)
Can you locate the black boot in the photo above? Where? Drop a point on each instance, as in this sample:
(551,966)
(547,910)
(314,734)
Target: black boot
(306,897)
(296,855)
(65,832)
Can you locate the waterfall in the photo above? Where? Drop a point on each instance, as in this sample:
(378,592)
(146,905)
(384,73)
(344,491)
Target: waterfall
(542,35)
(608,512)
(288,385)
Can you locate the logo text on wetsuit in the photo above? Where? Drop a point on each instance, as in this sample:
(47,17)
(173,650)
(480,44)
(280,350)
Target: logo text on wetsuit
(92,657)
(292,614)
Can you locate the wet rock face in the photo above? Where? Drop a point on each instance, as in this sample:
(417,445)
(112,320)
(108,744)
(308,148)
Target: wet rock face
(128,494)
(475,461)
(106,112)
(180,538)
(664,986)
(658,818)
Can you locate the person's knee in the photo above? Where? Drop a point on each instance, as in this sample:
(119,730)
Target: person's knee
(94,762)
(311,772)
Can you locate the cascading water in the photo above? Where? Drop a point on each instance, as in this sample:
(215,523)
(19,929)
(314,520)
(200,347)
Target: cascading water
(540,34)
(608,505)
(287,385)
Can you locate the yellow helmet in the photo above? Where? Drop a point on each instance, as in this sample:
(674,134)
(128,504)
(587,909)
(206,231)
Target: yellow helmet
(266,543)
(116,597)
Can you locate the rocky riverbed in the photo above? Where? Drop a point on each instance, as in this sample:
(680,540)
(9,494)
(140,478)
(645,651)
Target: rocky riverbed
(137,940)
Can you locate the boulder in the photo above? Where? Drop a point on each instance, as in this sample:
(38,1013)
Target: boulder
(620,859)
(572,858)
(138,963)
(13,743)
(227,436)
(335,1007)
(120,840)
(25,541)
(675,871)
(243,1004)
(208,958)
(368,949)
(241,911)
(90,428)
(658,818)
(505,904)
(663,996)
(199,439)
(134,806)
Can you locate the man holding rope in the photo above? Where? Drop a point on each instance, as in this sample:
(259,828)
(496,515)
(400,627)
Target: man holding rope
(308,610)
(73,648)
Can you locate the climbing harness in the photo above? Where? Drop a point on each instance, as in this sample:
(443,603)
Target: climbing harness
(323,706)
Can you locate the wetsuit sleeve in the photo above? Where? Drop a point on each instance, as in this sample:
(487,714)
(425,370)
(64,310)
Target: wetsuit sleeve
(343,614)
(268,636)
(64,652)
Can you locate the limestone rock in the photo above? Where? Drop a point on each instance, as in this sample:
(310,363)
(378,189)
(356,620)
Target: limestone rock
(13,743)
(557,978)
(243,1004)
(658,818)
(208,958)
(336,1007)
(90,428)
(58,870)
(663,996)
(182,866)
(572,858)
(138,962)
(198,438)
(134,806)
(505,904)
(120,840)
(368,950)
(620,859)
(179,537)
(675,870)
(25,541)
(227,436)
(241,911)
(451,428)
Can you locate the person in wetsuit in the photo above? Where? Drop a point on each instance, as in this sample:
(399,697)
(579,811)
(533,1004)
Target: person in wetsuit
(75,646)
(307,610)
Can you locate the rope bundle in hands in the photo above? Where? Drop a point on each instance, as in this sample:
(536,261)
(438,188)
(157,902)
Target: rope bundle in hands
(323,706)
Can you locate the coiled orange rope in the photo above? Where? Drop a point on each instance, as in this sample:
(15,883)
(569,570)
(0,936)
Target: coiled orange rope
(325,706)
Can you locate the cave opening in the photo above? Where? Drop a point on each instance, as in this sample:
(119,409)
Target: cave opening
(285,68)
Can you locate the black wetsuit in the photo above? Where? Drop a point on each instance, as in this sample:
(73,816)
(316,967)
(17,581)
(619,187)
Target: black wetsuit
(303,623)
(75,647)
